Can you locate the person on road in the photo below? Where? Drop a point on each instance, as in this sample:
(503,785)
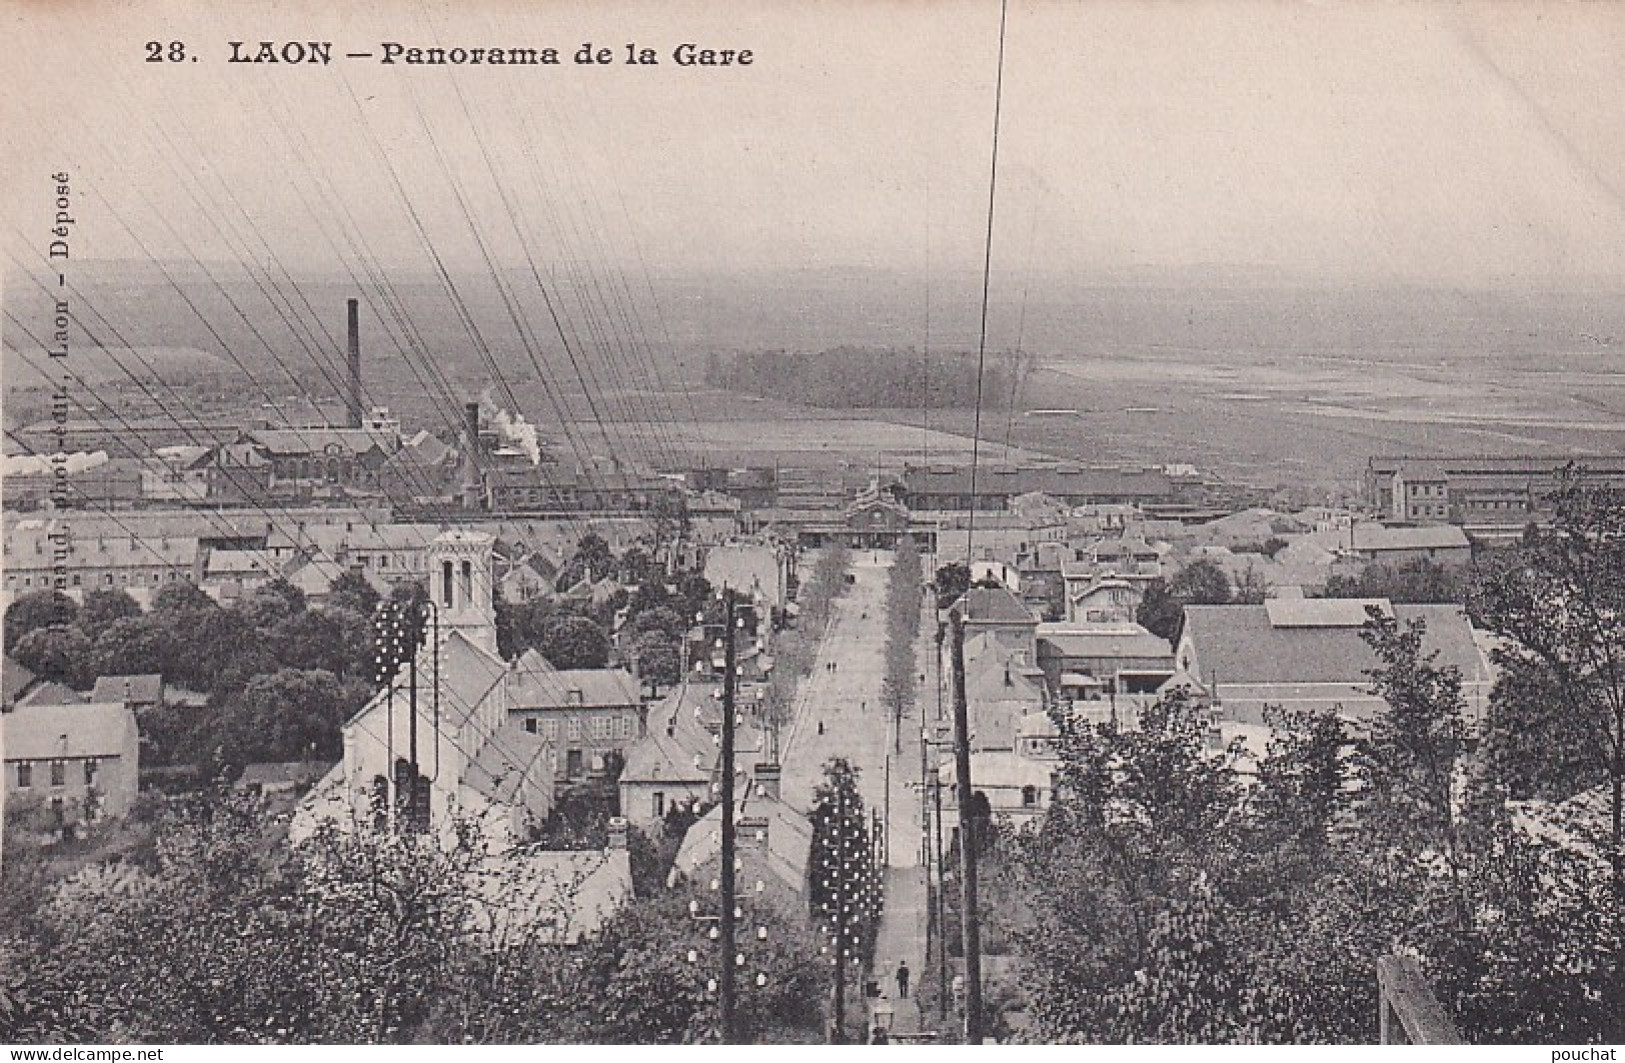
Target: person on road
(820,726)
(902,980)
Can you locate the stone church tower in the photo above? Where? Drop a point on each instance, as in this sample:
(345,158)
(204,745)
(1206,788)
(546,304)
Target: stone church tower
(461,580)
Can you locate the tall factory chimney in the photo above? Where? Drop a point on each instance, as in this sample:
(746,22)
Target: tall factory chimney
(352,400)
(473,482)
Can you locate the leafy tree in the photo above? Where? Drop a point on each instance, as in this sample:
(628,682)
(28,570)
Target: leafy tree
(1418,581)
(1560,599)
(39,610)
(286,715)
(310,640)
(1202,582)
(1410,760)
(138,645)
(659,660)
(636,566)
(694,593)
(898,684)
(60,652)
(1532,750)
(234,938)
(1120,871)
(102,607)
(574,642)
(953,580)
(1159,611)
(181,598)
(592,561)
(651,594)
(1251,587)
(662,620)
(352,591)
(225,650)
(268,605)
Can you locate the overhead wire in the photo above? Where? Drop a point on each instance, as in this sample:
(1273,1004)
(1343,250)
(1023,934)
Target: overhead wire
(987,273)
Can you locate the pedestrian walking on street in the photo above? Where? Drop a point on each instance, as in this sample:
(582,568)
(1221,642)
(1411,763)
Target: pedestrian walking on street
(902,980)
(820,726)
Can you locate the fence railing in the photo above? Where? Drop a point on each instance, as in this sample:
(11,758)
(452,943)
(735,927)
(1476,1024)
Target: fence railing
(1410,1013)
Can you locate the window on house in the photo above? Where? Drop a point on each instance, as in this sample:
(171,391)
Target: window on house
(90,772)
(1029,796)
(659,804)
(530,725)
(574,728)
(59,773)
(25,775)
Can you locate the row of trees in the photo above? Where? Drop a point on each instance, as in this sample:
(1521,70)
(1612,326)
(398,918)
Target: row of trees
(1183,895)
(796,648)
(898,686)
(854,378)
(225,934)
(279,676)
(643,627)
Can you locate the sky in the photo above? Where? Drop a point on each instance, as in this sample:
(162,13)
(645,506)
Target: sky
(1462,145)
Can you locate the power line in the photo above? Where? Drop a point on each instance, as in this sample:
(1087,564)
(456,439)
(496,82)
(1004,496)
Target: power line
(987,273)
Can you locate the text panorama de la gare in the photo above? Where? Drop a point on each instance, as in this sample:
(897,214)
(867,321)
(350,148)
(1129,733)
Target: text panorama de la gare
(396,53)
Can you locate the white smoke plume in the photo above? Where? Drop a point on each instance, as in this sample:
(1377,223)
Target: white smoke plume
(514,428)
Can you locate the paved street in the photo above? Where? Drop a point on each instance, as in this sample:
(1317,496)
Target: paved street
(847,700)
(856,726)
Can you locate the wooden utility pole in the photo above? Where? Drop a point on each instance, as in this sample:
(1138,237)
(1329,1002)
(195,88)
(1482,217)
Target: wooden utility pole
(969,916)
(729,848)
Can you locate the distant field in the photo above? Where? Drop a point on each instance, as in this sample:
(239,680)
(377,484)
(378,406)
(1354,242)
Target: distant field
(1314,424)
(28,367)
(817,440)
(1270,384)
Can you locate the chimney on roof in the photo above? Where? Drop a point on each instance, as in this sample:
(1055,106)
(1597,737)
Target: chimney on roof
(352,398)
(473,482)
(768,777)
(753,832)
(617,832)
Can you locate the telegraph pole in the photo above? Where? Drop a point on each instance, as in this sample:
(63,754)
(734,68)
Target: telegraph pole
(942,906)
(967,844)
(726,923)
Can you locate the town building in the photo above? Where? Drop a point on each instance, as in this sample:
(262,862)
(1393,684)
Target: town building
(551,897)
(1307,654)
(678,762)
(474,758)
(774,840)
(1488,496)
(948,487)
(73,761)
(137,691)
(585,714)
(998,612)
(1103,662)
(1442,544)
(873,520)
(760,570)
